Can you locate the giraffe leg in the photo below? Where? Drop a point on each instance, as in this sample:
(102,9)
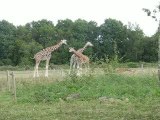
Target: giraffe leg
(86,65)
(71,64)
(75,62)
(37,74)
(79,68)
(83,69)
(78,71)
(34,75)
(88,68)
(47,64)
(36,70)
(76,65)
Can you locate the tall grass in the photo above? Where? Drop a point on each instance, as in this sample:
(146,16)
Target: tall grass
(45,99)
(89,88)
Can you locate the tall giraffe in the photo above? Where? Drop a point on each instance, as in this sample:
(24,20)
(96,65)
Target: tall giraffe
(83,59)
(45,54)
(74,61)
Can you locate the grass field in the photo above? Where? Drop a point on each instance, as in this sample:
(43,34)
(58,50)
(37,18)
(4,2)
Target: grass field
(123,95)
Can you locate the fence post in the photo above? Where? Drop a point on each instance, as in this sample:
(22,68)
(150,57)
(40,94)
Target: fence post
(14,86)
(8,81)
(142,67)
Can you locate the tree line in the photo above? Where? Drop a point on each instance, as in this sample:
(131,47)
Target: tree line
(112,40)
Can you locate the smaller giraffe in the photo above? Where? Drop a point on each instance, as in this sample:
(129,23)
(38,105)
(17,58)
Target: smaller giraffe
(45,54)
(83,59)
(74,61)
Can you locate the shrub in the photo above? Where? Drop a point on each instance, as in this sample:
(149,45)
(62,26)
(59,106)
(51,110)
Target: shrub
(132,65)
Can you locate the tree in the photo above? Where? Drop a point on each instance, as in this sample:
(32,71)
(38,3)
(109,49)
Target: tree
(23,48)
(133,45)
(43,32)
(155,15)
(7,38)
(111,40)
(77,33)
(150,55)
(64,29)
(112,34)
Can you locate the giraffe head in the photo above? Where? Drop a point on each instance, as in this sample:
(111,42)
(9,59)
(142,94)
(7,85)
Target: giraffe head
(89,44)
(64,42)
(71,49)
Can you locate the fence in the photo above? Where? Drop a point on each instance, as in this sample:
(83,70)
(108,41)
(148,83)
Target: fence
(9,83)
(9,79)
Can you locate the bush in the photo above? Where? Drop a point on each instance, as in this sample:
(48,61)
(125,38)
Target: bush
(1,63)
(132,65)
(9,67)
(42,95)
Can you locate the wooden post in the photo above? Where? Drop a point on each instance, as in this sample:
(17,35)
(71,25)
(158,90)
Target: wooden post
(142,67)
(14,82)
(14,86)
(8,82)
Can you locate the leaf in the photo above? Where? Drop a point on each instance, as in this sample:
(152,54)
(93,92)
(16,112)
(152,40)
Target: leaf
(147,11)
(154,11)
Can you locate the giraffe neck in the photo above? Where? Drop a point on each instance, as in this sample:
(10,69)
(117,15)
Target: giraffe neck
(55,47)
(77,54)
(82,49)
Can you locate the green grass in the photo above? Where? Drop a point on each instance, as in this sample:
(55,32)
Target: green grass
(126,97)
(89,88)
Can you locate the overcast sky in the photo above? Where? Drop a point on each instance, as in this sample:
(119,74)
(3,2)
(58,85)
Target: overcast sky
(20,12)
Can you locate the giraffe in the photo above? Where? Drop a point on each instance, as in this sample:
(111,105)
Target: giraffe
(74,61)
(83,59)
(45,54)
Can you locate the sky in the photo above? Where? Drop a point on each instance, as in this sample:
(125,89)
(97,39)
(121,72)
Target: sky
(20,12)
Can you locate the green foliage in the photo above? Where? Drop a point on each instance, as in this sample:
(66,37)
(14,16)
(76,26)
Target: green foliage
(89,88)
(7,38)
(112,39)
(132,65)
(5,68)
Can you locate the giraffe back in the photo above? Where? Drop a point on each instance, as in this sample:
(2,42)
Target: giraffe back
(83,58)
(80,50)
(46,53)
(43,55)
